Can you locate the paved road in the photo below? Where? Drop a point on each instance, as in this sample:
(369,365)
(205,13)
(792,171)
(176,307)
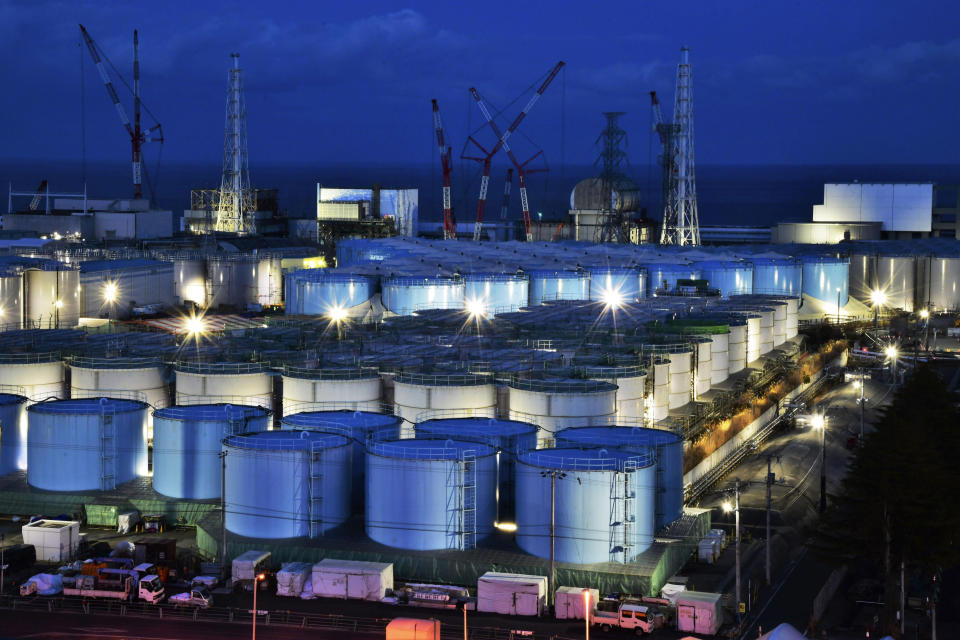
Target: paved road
(44,626)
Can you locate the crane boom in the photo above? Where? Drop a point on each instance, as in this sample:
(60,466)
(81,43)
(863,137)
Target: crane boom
(449,224)
(658,117)
(507,185)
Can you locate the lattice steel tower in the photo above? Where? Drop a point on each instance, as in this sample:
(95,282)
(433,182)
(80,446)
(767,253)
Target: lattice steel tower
(613,226)
(234,207)
(680,222)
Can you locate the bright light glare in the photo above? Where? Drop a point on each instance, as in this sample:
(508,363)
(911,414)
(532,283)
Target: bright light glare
(878,298)
(110,292)
(890,352)
(818,422)
(506,526)
(924,314)
(476,307)
(58,304)
(727,507)
(337,314)
(195,325)
(262,576)
(612,298)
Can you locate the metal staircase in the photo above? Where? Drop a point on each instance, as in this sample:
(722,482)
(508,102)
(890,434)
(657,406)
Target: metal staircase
(622,513)
(462,502)
(315,490)
(108,448)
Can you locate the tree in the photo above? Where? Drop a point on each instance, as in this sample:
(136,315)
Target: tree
(898,500)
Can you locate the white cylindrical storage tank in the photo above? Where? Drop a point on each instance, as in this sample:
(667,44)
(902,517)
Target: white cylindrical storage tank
(793,321)
(728,277)
(604,504)
(245,383)
(38,376)
(631,385)
(737,345)
(827,279)
(330,389)
(51,297)
(421,396)
(547,285)
(496,292)
(286,484)
(720,356)
(88,444)
(777,276)
(620,284)
(190,279)
(319,291)
(187,443)
(765,338)
(13,433)
(681,377)
(11,298)
(554,405)
(663,276)
(779,322)
(232,280)
(944,283)
(896,278)
(703,349)
(660,404)
(141,379)
(863,276)
(405,295)
(270,280)
(430,494)
(669,456)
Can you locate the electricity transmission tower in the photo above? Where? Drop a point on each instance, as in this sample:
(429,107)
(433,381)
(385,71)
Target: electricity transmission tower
(613,225)
(680,222)
(235,204)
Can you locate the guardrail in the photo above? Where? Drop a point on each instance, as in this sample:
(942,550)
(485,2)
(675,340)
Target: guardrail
(281,618)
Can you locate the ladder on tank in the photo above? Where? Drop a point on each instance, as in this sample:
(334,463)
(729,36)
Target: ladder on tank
(622,513)
(315,490)
(462,501)
(108,449)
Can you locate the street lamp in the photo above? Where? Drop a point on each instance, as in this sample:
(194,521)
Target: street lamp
(337,315)
(554,475)
(586,613)
(256,579)
(891,353)
(735,507)
(110,292)
(878,298)
(819,422)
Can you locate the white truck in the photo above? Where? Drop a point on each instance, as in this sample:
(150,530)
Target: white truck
(638,617)
(198,597)
(129,586)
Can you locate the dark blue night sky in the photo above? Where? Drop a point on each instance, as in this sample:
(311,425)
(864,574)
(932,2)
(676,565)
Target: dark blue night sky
(351,82)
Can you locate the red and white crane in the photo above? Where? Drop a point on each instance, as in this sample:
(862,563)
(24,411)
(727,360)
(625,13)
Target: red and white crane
(507,186)
(502,141)
(137,135)
(449,223)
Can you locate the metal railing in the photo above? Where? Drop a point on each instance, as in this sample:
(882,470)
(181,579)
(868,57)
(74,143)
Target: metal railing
(561,386)
(219,368)
(361,373)
(443,379)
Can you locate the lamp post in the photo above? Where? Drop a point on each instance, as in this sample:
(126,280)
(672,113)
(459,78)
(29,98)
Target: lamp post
(891,353)
(256,579)
(819,421)
(838,306)
(586,614)
(3,567)
(554,475)
(878,298)
(735,507)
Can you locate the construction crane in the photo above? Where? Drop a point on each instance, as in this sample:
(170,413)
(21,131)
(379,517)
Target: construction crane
(507,186)
(502,141)
(35,203)
(137,136)
(449,224)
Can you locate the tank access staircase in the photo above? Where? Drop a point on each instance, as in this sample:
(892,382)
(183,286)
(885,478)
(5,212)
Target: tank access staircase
(315,490)
(622,529)
(108,448)
(462,501)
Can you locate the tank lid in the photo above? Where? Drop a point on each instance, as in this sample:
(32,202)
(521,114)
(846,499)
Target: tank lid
(616,436)
(443,379)
(427,449)
(346,373)
(12,398)
(285,440)
(569,385)
(613,372)
(220,368)
(218,411)
(470,427)
(601,459)
(82,362)
(339,419)
(88,406)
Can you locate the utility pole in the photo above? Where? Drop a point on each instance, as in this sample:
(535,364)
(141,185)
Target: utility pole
(862,382)
(823,466)
(554,476)
(223,513)
(737,524)
(771,478)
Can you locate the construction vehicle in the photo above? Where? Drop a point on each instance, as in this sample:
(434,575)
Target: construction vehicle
(120,584)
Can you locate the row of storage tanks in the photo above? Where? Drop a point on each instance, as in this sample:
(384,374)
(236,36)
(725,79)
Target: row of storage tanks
(318,291)
(445,488)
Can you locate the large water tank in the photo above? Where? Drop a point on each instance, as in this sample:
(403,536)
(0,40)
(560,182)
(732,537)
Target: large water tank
(863,276)
(359,426)
(703,358)
(246,383)
(141,379)
(232,280)
(39,376)
(13,433)
(603,508)
(508,437)
(51,296)
(186,446)
(663,276)
(720,356)
(728,277)
(777,276)
(554,405)
(623,284)
(330,389)
(286,484)
(88,444)
(737,345)
(430,494)
(547,285)
(669,456)
(11,298)
(496,292)
(318,291)
(896,278)
(827,279)
(660,403)
(404,295)
(681,377)
(631,382)
(270,280)
(943,283)
(421,396)
(190,279)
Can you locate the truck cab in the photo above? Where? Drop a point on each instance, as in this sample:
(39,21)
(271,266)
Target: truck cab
(640,618)
(198,597)
(151,589)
